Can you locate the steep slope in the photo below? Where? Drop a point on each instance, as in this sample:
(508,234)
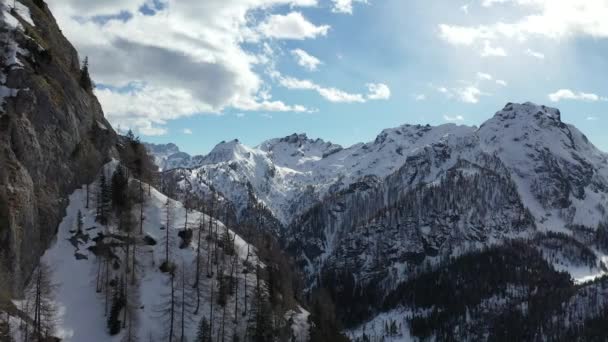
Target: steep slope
(561,176)
(506,293)
(53,135)
(83,282)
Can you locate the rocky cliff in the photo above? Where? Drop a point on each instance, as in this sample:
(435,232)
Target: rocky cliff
(53,134)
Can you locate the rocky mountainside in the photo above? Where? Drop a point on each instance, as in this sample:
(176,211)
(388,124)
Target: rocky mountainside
(53,134)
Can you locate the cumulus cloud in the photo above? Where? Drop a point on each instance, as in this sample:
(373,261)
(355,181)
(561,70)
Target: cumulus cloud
(502,83)
(547,18)
(376,91)
(469,94)
(567,94)
(345,6)
(291,26)
(184,57)
(466,94)
(306,60)
(187,131)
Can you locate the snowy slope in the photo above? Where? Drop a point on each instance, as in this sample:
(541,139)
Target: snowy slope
(561,176)
(81,310)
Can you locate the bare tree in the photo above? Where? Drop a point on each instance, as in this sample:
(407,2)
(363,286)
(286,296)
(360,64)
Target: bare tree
(132,305)
(168,308)
(185,307)
(210,238)
(41,296)
(168,239)
(197,276)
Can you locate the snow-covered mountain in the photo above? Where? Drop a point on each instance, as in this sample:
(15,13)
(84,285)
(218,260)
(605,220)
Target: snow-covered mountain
(561,177)
(371,216)
(168,156)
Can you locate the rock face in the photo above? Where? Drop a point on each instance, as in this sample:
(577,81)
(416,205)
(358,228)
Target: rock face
(53,134)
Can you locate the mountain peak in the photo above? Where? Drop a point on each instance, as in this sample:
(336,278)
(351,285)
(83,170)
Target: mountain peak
(295,138)
(226,151)
(528,109)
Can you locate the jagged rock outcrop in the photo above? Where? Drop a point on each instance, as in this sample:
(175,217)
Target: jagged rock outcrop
(53,134)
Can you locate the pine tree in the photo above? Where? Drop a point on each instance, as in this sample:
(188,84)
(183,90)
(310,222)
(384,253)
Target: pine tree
(79,222)
(120,183)
(118,303)
(104,200)
(261,328)
(85,78)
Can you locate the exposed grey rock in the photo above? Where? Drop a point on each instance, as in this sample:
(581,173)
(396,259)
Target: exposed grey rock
(53,138)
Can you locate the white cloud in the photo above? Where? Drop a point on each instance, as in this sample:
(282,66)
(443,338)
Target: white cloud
(466,94)
(443,90)
(491,51)
(484,76)
(306,60)
(419,97)
(547,18)
(145,107)
(291,26)
(502,83)
(567,94)
(459,35)
(187,58)
(345,6)
(592,118)
(489,3)
(470,94)
(535,54)
(456,118)
(377,91)
(187,131)
(465,9)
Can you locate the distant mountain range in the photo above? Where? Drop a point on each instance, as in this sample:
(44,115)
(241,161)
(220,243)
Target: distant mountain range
(373,215)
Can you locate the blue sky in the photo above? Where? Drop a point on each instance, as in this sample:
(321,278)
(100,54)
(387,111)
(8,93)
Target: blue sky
(196,74)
